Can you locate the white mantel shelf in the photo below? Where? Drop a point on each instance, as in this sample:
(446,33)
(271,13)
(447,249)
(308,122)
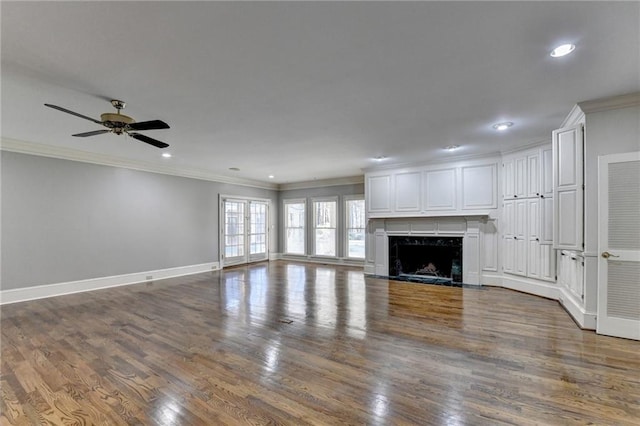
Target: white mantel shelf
(436,215)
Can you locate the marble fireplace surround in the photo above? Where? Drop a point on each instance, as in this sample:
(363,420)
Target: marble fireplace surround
(467,227)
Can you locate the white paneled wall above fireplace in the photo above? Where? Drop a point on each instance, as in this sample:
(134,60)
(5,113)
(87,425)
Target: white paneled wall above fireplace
(455,189)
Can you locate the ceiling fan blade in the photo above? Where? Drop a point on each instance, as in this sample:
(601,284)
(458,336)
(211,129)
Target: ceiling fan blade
(73,113)
(147,139)
(95,132)
(148,125)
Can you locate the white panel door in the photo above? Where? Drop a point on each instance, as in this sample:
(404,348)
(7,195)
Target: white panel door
(619,245)
(407,197)
(568,188)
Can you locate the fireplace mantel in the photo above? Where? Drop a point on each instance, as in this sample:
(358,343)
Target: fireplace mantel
(465,226)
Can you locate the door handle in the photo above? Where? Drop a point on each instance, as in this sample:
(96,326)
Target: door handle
(607,255)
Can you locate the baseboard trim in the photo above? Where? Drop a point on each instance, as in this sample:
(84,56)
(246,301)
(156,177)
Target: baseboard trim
(585,320)
(544,289)
(59,289)
(322,260)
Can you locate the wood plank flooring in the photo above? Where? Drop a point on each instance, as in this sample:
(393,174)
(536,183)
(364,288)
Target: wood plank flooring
(296,344)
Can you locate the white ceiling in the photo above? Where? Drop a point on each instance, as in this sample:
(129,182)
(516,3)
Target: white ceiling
(309,90)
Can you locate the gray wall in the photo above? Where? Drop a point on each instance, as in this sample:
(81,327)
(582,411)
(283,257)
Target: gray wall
(65,220)
(607,132)
(308,194)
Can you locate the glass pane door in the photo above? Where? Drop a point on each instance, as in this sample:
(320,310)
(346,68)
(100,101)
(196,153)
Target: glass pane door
(257,230)
(234,232)
(245,231)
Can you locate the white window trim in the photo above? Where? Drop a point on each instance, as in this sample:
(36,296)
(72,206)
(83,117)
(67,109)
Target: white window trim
(345,233)
(313,226)
(285,227)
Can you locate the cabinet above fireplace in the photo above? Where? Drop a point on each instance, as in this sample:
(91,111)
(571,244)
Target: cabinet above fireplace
(451,189)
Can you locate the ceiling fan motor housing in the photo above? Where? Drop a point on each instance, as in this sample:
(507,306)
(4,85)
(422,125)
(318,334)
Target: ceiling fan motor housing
(117,122)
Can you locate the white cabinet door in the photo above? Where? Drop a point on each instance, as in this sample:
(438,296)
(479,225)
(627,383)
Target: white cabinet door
(508,237)
(533,240)
(378,194)
(533,175)
(508,179)
(546,172)
(568,188)
(520,184)
(547,265)
(546,220)
(520,237)
(407,197)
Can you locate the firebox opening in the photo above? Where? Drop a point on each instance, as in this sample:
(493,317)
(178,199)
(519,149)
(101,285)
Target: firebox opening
(435,260)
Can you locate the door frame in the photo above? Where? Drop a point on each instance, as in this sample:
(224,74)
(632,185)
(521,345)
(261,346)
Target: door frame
(221,225)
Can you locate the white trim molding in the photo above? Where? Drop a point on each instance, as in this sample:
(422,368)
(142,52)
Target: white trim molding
(585,320)
(59,289)
(64,153)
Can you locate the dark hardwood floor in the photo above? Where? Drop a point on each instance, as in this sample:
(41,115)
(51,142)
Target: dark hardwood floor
(291,343)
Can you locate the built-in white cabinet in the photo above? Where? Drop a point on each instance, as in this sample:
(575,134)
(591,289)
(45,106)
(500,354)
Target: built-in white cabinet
(568,179)
(407,193)
(528,214)
(571,273)
(378,193)
(457,189)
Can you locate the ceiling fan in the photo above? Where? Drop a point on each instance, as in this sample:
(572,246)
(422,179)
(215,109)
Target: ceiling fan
(119,123)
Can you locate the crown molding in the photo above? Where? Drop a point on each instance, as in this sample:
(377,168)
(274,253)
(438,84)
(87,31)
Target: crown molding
(610,102)
(31,148)
(350,180)
(452,160)
(576,115)
(535,144)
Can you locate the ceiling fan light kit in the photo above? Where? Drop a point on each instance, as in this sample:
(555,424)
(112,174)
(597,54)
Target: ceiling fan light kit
(119,123)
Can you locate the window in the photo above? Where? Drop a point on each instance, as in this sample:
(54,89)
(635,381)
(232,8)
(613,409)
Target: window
(294,225)
(355,227)
(324,227)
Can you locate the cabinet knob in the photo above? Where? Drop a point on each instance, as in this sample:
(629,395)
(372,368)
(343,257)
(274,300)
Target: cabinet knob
(537,239)
(515,196)
(537,193)
(542,196)
(515,238)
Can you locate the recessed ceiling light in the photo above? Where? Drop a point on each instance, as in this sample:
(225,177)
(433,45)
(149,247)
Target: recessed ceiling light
(502,126)
(234,169)
(379,158)
(271,176)
(166,155)
(562,50)
(452,147)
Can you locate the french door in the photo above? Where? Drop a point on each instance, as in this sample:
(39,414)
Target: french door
(244,231)
(619,245)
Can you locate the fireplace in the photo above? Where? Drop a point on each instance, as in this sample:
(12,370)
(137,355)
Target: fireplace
(435,260)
